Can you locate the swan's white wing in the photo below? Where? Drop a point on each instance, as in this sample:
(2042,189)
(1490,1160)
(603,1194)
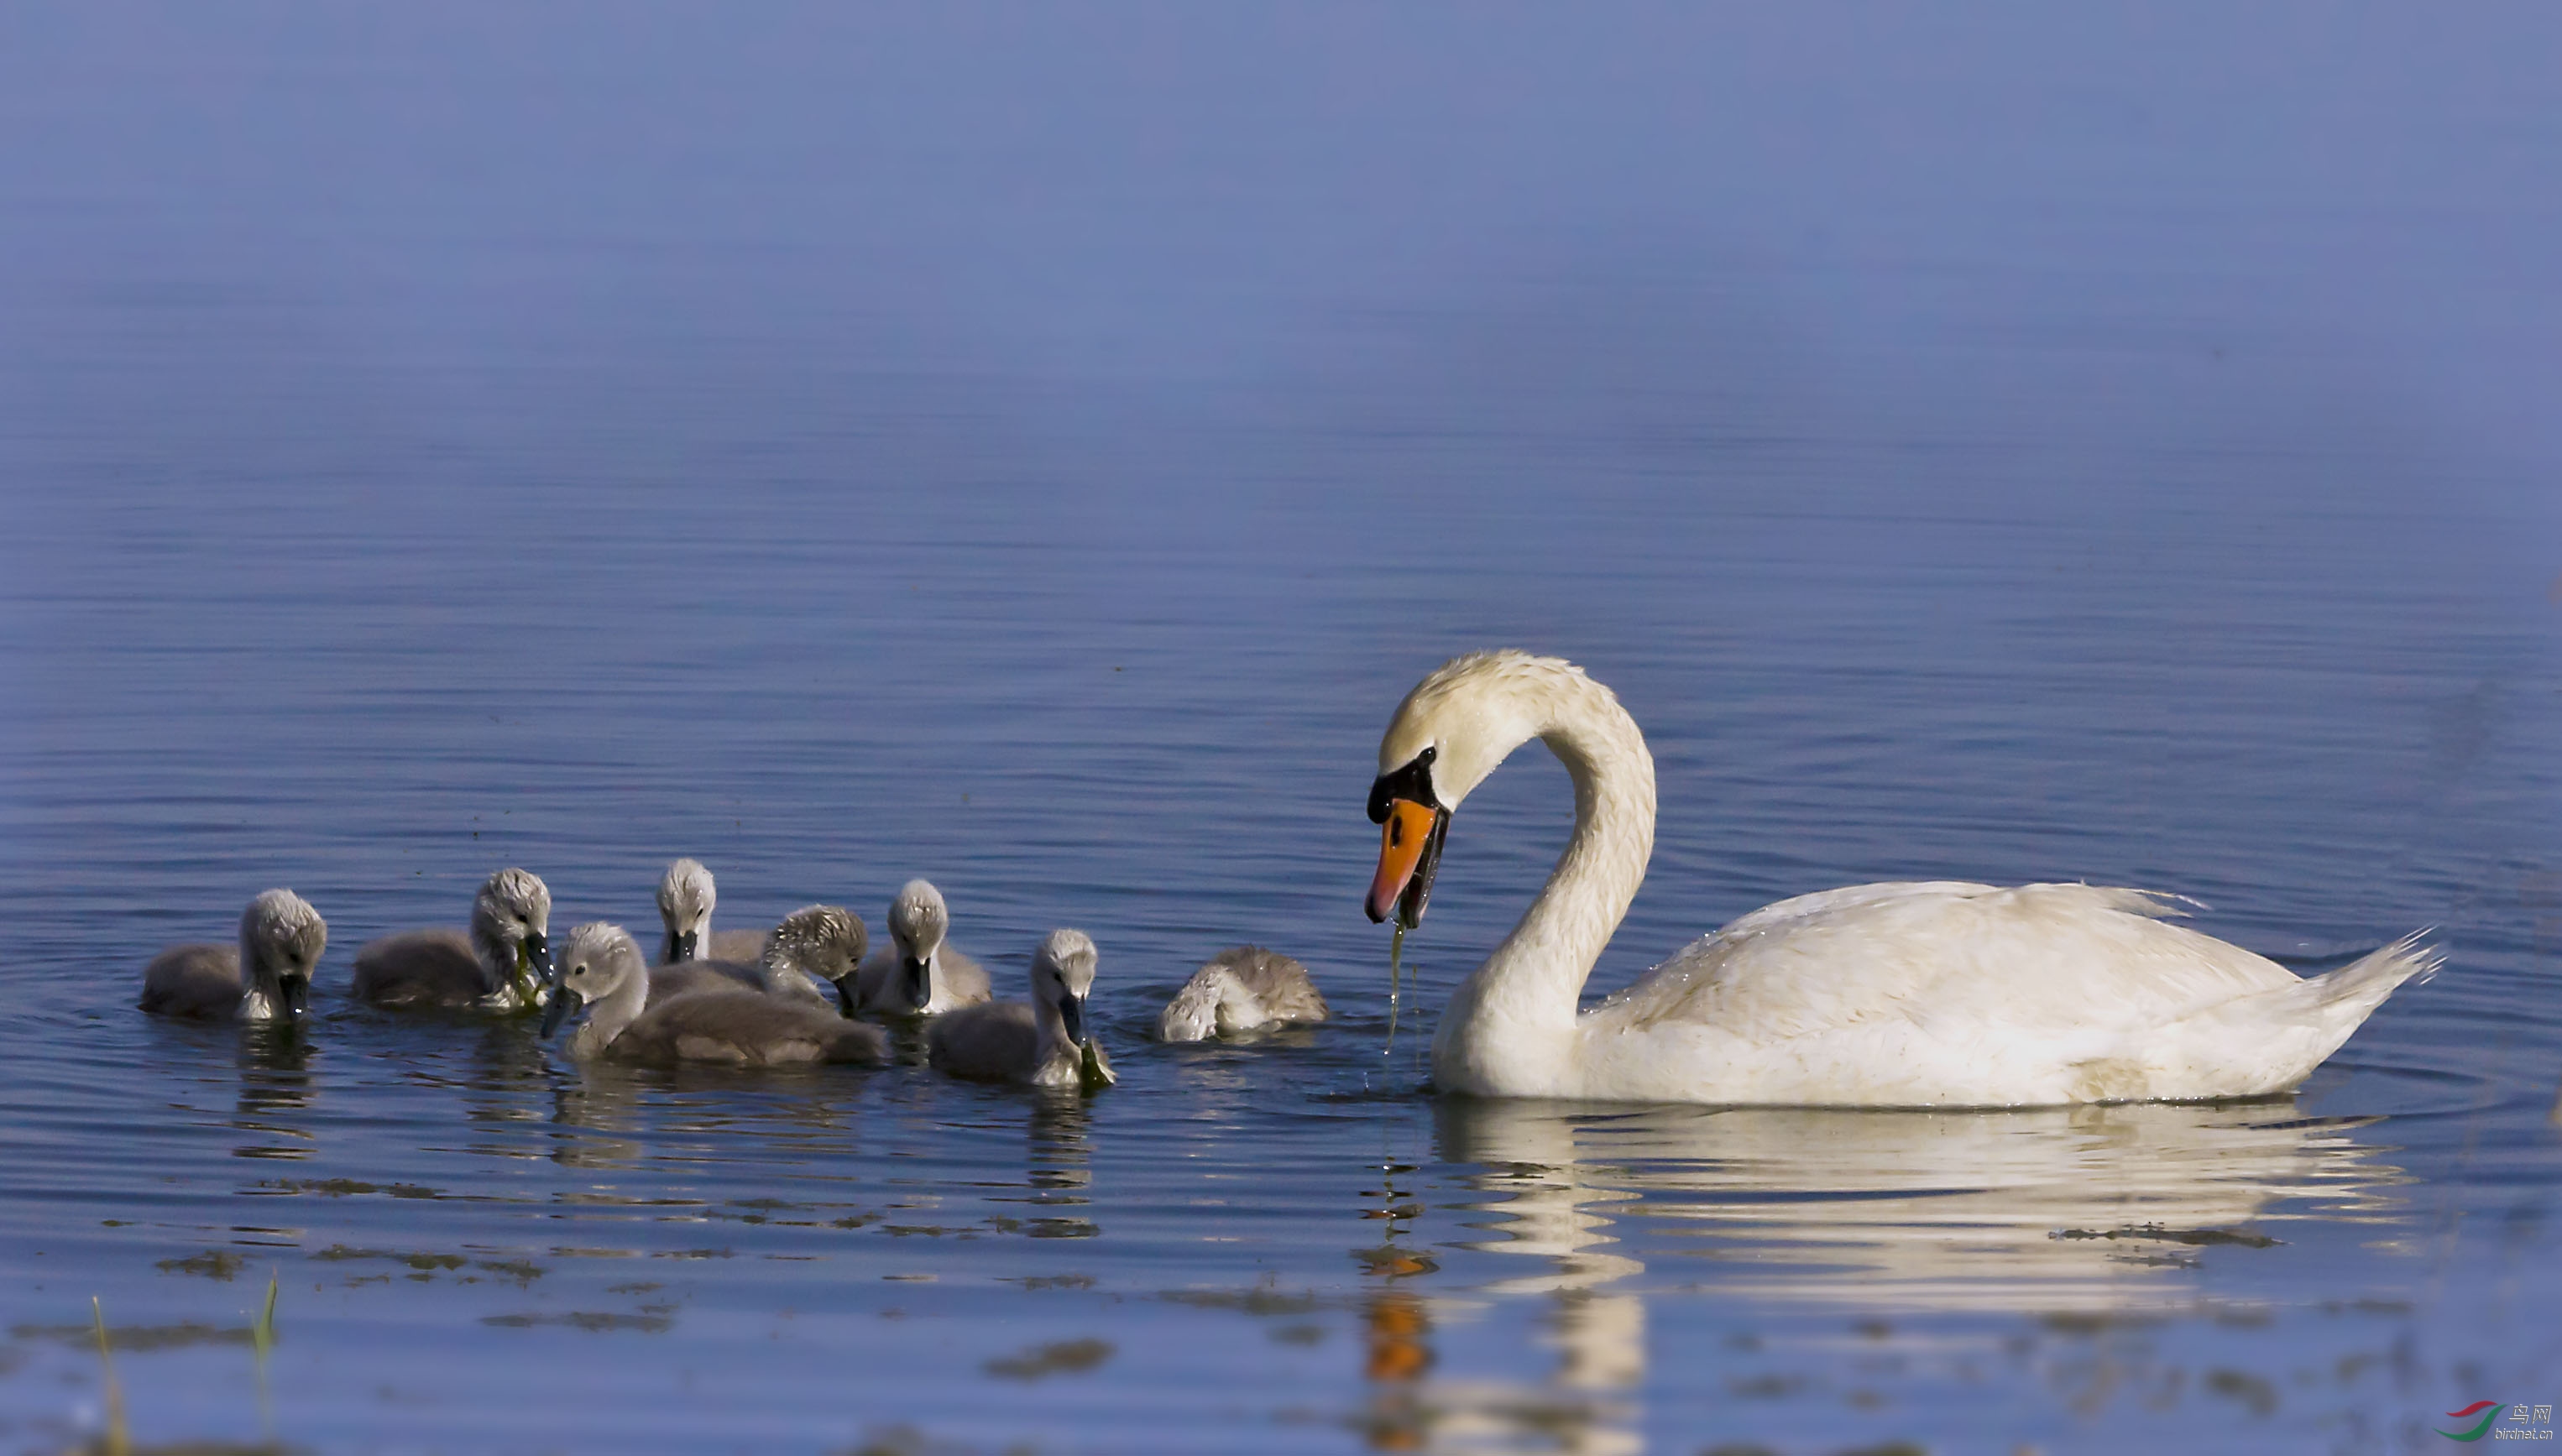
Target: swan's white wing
(1944,956)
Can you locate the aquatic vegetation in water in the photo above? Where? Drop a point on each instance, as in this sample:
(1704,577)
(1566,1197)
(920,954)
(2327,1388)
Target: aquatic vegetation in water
(1059,1358)
(1034,1282)
(136,1338)
(211,1264)
(116,1439)
(337,1253)
(348,1188)
(651,1319)
(261,1346)
(1260,1300)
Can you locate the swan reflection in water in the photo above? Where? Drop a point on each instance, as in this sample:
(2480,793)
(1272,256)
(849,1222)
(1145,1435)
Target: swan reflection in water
(2091,1209)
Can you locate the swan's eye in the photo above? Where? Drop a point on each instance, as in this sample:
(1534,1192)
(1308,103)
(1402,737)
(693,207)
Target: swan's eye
(1429,753)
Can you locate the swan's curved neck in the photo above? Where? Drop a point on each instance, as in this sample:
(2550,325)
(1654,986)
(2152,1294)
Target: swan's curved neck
(1528,989)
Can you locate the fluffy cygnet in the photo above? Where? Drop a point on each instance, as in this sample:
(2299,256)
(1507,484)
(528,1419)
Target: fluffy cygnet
(1239,989)
(280,940)
(686,895)
(917,975)
(1048,1043)
(816,942)
(601,970)
(503,963)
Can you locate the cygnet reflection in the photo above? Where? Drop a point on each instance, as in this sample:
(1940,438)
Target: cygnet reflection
(599,1113)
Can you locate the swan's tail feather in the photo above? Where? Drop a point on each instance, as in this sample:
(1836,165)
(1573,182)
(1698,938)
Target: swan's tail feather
(2286,1032)
(2358,988)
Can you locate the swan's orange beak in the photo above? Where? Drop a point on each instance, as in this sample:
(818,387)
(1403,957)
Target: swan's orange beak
(1407,842)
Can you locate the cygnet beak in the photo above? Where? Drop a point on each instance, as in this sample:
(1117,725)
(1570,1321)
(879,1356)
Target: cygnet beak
(558,1009)
(1071,1018)
(683,950)
(298,994)
(917,984)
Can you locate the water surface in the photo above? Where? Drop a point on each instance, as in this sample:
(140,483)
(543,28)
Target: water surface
(1037,453)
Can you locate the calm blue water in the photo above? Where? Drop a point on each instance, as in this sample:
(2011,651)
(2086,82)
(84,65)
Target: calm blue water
(1037,451)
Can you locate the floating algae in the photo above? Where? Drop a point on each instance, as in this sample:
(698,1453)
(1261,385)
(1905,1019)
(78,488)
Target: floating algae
(1093,1069)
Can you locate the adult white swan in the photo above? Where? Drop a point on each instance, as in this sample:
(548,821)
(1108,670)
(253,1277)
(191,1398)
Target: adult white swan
(1937,994)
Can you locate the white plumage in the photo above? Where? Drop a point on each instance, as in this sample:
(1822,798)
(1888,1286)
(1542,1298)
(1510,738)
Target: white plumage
(1939,994)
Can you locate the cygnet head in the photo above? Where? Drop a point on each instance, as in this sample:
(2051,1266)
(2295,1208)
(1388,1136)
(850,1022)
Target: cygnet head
(917,923)
(826,941)
(598,961)
(686,900)
(513,916)
(1062,977)
(282,938)
(1453,730)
